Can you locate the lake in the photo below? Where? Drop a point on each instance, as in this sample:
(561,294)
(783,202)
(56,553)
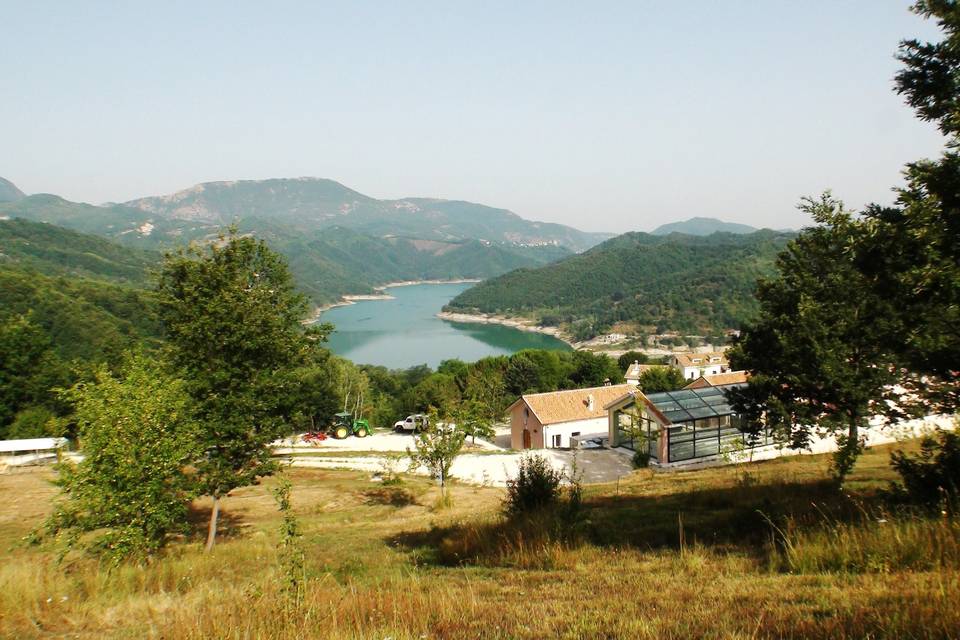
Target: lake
(405,331)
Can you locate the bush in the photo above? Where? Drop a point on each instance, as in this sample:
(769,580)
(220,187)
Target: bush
(536,487)
(932,477)
(641,459)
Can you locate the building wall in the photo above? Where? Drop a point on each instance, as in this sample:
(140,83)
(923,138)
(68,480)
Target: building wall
(592,427)
(522,418)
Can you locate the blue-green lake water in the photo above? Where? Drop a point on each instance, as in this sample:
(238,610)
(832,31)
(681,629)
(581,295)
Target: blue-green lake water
(405,331)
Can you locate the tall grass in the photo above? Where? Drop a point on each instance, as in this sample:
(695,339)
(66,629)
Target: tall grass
(876,543)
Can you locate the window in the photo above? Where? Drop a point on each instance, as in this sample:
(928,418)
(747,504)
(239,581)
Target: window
(556,441)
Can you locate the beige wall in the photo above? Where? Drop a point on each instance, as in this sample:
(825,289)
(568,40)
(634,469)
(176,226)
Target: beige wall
(521,418)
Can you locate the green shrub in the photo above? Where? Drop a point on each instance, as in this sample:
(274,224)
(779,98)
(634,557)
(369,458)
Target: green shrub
(932,477)
(536,487)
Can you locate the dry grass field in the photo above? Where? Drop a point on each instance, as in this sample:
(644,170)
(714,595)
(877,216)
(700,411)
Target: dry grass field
(763,550)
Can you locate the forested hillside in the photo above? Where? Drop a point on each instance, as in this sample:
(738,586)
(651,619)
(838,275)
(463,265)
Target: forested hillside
(336,240)
(655,283)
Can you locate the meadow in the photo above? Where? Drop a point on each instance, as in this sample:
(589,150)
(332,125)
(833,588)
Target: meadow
(769,549)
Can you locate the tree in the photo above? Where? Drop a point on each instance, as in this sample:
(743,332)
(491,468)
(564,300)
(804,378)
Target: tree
(28,371)
(435,448)
(522,374)
(137,434)
(818,349)
(912,251)
(628,358)
(657,379)
(474,419)
(232,320)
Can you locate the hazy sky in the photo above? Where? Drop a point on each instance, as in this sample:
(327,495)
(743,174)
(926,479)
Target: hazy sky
(608,116)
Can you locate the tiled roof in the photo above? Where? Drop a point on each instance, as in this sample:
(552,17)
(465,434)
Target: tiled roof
(688,359)
(566,406)
(635,369)
(719,380)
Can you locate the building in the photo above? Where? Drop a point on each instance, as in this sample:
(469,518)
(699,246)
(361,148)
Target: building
(694,365)
(550,420)
(635,370)
(719,380)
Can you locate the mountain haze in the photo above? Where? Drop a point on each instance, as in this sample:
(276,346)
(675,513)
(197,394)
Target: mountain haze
(9,191)
(702,227)
(310,204)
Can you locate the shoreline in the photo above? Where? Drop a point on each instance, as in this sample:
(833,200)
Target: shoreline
(522,325)
(347,300)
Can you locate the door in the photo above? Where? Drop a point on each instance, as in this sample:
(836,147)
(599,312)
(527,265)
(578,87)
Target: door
(526,438)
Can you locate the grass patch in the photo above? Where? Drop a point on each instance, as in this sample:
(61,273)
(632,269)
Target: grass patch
(669,555)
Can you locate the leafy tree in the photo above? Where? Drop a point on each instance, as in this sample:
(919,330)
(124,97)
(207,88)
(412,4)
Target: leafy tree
(435,448)
(28,371)
(473,418)
(594,369)
(130,492)
(440,391)
(659,379)
(628,358)
(912,251)
(232,319)
(818,355)
(522,374)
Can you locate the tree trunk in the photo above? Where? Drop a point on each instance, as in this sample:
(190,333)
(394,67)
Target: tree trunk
(212,529)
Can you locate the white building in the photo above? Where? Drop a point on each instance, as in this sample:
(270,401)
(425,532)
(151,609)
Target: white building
(550,420)
(694,365)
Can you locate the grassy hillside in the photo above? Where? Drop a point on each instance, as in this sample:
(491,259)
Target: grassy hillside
(768,550)
(676,282)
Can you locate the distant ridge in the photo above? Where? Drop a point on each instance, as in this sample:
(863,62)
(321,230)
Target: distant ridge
(9,191)
(702,227)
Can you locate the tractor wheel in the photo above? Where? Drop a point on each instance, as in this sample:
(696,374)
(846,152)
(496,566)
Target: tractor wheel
(341,433)
(361,432)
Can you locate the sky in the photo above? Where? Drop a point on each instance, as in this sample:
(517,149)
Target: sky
(607,116)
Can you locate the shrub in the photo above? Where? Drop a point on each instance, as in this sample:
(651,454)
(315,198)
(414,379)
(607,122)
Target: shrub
(932,477)
(536,486)
(641,459)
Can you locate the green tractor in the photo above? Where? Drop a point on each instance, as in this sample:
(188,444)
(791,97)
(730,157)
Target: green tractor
(345,424)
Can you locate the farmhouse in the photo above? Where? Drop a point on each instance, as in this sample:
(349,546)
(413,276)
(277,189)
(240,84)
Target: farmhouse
(551,420)
(694,365)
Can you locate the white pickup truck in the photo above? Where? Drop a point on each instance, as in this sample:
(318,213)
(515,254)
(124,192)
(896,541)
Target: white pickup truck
(412,424)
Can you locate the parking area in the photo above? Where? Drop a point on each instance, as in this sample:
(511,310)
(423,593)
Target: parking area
(483,463)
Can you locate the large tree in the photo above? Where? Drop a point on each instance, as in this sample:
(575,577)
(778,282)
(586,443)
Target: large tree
(912,250)
(233,324)
(819,350)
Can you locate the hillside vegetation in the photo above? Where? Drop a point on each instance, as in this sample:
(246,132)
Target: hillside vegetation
(702,227)
(768,550)
(655,283)
(336,240)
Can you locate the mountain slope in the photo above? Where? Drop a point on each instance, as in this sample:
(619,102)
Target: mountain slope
(311,204)
(702,227)
(653,283)
(327,260)
(9,191)
(53,250)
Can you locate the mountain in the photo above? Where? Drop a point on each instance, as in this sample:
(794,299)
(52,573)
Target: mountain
(639,282)
(9,191)
(56,251)
(311,204)
(85,292)
(702,227)
(336,240)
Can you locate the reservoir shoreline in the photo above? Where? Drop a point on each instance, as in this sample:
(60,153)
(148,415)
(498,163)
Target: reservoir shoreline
(346,300)
(522,325)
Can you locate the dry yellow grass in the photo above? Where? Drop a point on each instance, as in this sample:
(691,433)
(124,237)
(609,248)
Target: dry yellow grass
(374,560)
